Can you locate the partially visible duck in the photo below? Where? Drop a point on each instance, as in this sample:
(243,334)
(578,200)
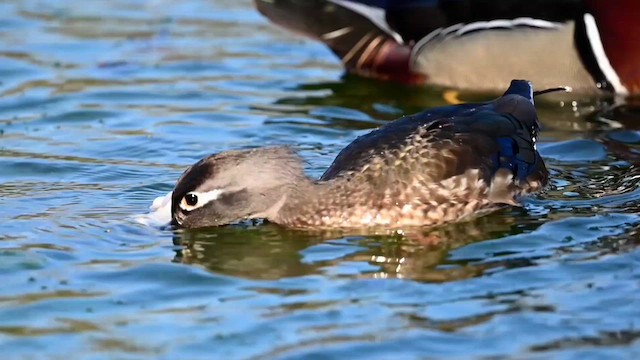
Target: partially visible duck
(589,45)
(438,166)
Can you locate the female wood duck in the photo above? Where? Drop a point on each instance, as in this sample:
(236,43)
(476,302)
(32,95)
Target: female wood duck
(441,165)
(589,45)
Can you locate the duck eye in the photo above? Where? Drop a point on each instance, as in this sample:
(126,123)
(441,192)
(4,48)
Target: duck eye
(191,199)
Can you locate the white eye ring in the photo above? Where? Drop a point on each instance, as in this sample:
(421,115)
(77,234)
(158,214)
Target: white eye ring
(202,198)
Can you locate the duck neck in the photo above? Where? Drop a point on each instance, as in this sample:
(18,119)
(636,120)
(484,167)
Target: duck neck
(299,202)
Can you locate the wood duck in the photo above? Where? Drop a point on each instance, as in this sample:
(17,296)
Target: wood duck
(589,45)
(438,166)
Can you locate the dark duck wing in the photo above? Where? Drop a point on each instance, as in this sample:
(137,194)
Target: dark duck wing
(495,138)
(357,32)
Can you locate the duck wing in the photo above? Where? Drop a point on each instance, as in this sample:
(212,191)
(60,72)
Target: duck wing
(444,142)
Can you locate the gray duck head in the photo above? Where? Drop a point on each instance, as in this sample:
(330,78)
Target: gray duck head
(235,185)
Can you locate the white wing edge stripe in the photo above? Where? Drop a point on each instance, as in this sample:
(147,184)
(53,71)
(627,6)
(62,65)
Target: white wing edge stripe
(601,57)
(376,15)
(493,24)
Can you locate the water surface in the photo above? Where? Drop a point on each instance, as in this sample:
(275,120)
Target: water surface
(104,104)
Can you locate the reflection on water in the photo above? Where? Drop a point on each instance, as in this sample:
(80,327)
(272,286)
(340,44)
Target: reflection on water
(103,105)
(416,253)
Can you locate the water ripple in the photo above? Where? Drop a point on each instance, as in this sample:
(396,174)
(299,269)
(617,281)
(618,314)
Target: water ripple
(103,106)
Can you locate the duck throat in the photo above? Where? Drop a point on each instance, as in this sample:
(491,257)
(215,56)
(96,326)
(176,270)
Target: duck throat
(271,213)
(304,205)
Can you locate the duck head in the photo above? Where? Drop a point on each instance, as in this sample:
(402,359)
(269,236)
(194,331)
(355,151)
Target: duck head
(230,186)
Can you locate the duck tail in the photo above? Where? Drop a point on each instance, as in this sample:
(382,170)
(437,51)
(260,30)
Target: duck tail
(523,88)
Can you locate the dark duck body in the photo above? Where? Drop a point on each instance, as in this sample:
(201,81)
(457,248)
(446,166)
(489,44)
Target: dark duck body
(589,45)
(438,166)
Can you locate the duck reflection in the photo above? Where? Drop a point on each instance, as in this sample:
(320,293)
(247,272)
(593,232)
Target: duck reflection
(264,251)
(618,129)
(623,113)
(367,95)
(269,252)
(355,103)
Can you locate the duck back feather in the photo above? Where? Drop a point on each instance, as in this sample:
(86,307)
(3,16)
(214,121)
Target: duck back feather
(492,137)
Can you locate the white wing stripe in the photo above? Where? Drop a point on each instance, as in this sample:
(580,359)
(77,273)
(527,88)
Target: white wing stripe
(496,24)
(336,33)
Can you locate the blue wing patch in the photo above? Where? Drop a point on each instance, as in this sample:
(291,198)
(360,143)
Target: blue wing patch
(507,158)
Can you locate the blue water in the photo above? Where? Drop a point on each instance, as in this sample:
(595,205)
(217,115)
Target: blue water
(104,103)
